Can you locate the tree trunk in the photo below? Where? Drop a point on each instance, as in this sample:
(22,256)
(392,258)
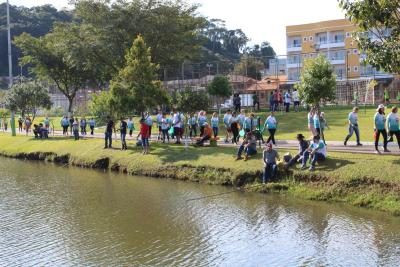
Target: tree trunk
(70,104)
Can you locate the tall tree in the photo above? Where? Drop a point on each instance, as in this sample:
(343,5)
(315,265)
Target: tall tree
(27,97)
(191,101)
(58,57)
(37,21)
(220,87)
(250,67)
(136,87)
(379,31)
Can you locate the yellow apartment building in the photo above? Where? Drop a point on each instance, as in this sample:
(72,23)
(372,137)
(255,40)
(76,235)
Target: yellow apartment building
(332,38)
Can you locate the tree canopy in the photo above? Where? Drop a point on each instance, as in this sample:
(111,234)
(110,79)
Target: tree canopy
(317,81)
(27,97)
(379,31)
(136,87)
(220,87)
(191,101)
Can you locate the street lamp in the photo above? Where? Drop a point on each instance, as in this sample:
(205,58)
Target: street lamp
(10,75)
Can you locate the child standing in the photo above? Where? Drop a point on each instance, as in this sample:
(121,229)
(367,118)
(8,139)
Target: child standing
(145,134)
(214,124)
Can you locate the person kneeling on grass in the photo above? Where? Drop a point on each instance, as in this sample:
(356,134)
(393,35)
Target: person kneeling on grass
(270,167)
(317,152)
(303,146)
(207,134)
(249,146)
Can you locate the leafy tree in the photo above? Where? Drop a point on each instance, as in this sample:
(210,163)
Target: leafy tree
(191,101)
(317,81)
(220,87)
(263,52)
(58,57)
(250,67)
(36,21)
(101,106)
(135,88)
(169,27)
(27,97)
(379,31)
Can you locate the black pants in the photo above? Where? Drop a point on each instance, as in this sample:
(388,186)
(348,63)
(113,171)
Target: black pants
(65,130)
(201,131)
(377,135)
(397,134)
(165,135)
(271,136)
(202,140)
(83,130)
(192,130)
(235,132)
(287,106)
(91,130)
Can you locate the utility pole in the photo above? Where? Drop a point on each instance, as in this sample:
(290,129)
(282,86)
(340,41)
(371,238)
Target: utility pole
(10,75)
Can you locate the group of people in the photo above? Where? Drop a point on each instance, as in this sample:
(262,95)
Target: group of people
(74,125)
(280,102)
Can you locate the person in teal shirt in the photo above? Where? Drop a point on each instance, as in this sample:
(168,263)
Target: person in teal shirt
(214,124)
(202,121)
(271,124)
(379,123)
(393,125)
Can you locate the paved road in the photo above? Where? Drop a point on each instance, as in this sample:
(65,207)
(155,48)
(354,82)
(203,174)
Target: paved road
(336,146)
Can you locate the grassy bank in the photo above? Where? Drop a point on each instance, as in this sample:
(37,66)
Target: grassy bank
(361,180)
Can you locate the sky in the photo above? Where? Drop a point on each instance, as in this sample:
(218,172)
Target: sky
(261,20)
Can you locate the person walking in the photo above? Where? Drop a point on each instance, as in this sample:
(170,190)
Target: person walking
(130,126)
(65,125)
(145,134)
(164,128)
(46,123)
(75,129)
(353,126)
(20,124)
(234,125)
(149,121)
(92,124)
(271,124)
(276,100)
(310,119)
(393,125)
(287,101)
(379,128)
(192,124)
(296,100)
(227,119)
(28,124)
(214,124)
(83,125)
(270,167)
(159,119)
(177,123)
(123,126)
(202,121)
(110,128)
(71,122)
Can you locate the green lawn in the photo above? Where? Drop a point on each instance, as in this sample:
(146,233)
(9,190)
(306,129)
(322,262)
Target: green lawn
(363,180)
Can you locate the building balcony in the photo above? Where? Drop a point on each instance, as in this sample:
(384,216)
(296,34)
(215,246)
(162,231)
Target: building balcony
(326,45)
(338,61)
(296,48)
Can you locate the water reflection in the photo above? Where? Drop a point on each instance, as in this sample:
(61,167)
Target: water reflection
(68,216)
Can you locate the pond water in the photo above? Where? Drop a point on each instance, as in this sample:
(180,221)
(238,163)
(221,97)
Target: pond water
(55,216)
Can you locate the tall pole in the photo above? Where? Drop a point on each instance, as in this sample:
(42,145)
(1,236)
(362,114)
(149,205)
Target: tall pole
(10,75)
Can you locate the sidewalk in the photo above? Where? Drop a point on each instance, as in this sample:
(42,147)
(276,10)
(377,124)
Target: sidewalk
(334,146)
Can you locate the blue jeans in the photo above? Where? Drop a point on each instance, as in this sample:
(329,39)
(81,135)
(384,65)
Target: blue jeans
(123,140)
(108,139)
(354,129)
(316,157)
(215,130)
(270,171)
(145,142)
(248,150)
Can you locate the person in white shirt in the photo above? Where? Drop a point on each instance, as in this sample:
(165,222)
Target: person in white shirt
(296,100)
(353,126)
(287,100)
(317,151)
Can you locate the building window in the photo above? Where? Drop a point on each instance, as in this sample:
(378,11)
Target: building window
(355,51)
(305,39)
(348,69)
(348,52)
(347,34)
(355,69)
(310,38)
